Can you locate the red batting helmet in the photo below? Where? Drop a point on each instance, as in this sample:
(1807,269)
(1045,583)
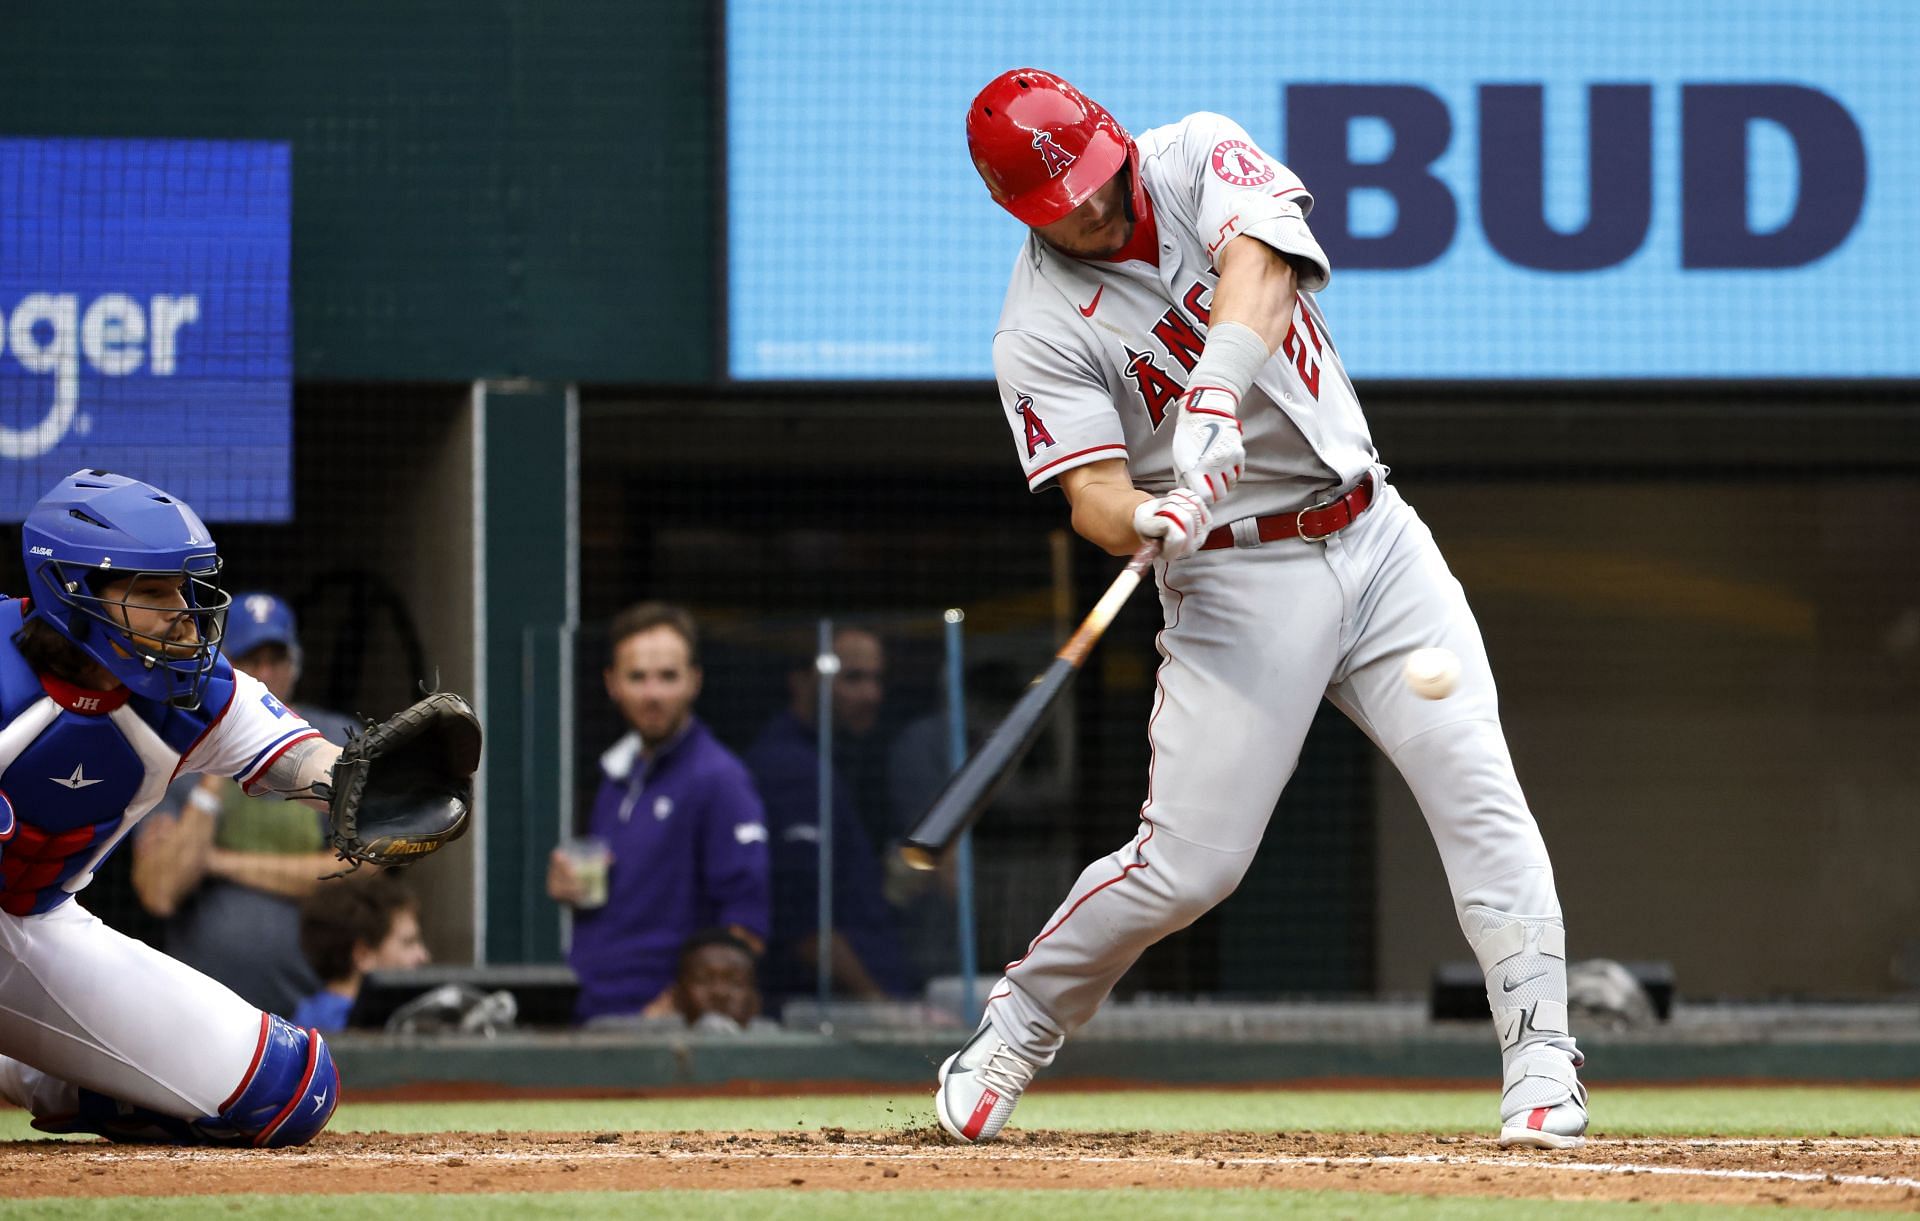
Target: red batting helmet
(1042,146)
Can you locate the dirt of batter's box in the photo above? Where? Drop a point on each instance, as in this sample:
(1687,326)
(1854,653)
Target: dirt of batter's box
(1856,1174)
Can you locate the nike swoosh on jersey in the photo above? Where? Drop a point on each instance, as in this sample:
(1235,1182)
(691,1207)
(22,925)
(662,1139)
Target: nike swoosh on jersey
(1086,311)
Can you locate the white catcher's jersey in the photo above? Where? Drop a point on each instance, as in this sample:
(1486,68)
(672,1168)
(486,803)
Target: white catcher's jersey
(1092,356)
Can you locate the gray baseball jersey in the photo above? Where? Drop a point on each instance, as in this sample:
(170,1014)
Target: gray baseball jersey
(1092,356)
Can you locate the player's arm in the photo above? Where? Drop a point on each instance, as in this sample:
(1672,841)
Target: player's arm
(1257,289)
(300,773)
(1111,513)
(1103,499)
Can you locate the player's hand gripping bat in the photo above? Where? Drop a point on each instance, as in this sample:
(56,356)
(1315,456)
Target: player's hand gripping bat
(973,787)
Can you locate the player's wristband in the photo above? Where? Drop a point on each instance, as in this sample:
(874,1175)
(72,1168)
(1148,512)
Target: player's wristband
(1233,357)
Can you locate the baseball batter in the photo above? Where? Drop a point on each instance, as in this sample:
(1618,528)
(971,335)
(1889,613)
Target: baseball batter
(111,683)
(1162,358)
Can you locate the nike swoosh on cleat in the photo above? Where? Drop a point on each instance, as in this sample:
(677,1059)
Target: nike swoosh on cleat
(1510,983)
(1086,311)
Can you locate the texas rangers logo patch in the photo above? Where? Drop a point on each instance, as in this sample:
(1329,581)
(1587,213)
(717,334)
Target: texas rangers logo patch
(1057,158)
(1240,163)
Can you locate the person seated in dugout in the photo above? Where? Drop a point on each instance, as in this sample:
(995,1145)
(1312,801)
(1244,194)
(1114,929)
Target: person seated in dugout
(348,930)
(866,957)
(680,818)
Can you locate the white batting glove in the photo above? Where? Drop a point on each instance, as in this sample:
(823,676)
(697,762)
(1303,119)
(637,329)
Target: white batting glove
(1180,517)
(1208,455)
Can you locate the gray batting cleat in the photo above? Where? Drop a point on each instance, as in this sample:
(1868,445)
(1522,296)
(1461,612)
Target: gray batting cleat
(979,1085)
(1544,1106)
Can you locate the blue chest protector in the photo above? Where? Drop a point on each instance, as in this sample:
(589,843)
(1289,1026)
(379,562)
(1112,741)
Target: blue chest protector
(78,769)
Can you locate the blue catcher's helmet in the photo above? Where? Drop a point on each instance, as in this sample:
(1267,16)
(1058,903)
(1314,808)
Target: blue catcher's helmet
(95,527)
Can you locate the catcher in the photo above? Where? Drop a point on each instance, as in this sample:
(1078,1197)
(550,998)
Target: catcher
(111,684)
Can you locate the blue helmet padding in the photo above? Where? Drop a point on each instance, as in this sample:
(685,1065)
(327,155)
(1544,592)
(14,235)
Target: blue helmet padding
(259,618)
(291,1092)
(95,523)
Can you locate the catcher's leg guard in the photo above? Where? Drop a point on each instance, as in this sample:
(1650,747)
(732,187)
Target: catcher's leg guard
(289,1093)
(286,1099)
(1542,1102)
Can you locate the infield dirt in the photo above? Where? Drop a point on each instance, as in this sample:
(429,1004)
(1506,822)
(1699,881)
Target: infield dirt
(1836,1173)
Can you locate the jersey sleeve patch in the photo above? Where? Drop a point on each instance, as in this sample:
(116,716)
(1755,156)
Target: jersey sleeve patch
(251,731)
(1038,437)
(1060,413)
(1240,163)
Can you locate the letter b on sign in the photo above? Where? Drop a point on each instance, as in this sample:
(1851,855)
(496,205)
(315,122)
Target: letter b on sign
(1318,118)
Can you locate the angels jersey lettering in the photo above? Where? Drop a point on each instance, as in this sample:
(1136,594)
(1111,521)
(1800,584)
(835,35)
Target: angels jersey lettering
(1105,379)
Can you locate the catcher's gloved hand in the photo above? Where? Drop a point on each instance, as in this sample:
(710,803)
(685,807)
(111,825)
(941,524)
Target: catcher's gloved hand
(405,786)
(1208,454)
(1180,517)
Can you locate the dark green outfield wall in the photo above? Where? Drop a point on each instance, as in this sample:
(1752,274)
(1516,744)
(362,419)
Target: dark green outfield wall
(482,188)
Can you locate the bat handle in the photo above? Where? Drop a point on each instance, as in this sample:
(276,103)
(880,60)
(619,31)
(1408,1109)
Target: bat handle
(1095,624)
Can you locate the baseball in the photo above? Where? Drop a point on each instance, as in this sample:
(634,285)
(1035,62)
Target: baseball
(1432,673)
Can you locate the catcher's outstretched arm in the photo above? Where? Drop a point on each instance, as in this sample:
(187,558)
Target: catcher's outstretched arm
(301,774)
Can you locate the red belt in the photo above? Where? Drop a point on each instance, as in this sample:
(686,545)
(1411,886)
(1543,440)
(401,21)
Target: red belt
(1310,524)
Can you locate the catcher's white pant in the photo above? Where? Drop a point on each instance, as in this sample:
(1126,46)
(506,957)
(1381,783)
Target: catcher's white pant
(1254,637)
(83,1005)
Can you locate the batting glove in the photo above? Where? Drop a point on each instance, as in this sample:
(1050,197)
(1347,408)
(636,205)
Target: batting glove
(1180,517)
(1207,452)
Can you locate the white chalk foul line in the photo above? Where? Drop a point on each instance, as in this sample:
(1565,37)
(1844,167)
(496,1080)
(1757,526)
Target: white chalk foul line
(1700,1172)
(959,1157)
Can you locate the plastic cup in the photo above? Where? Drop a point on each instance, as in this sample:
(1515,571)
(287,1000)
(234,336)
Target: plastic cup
(590,857)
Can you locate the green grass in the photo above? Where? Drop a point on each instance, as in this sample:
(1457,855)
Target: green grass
(1784,1111)
(1144,1205)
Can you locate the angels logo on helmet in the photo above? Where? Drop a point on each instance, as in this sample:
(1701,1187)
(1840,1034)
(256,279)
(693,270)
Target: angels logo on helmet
(1057,159)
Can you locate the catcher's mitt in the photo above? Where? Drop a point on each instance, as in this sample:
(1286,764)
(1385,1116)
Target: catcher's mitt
(405,787)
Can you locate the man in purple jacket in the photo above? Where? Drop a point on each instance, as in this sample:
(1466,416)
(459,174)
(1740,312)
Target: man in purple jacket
(679,811)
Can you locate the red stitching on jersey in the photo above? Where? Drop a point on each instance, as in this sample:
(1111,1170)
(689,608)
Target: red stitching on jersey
(1142,863)
(1070,457)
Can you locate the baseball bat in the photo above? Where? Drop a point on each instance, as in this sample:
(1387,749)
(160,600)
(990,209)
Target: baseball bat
(973,787)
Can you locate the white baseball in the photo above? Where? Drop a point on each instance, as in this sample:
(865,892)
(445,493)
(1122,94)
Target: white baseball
(1432,673)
